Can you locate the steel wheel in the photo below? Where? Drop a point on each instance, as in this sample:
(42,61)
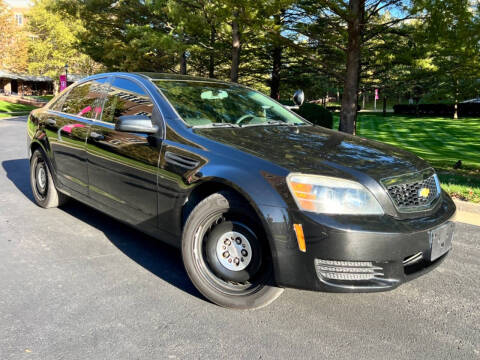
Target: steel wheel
(225,256)
(43,187)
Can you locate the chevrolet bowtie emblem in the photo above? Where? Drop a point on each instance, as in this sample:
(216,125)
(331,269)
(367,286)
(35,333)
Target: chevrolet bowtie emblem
(424,192)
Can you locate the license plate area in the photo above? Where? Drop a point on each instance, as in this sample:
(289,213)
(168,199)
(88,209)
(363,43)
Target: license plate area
(441,240)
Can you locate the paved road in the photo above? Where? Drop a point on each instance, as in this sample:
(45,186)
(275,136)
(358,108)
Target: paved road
(75,284)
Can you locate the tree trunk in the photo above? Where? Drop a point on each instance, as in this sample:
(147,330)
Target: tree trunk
(455,112)
(277,64)
(384,106)
(211,60)
(183,63)
(348,113)
(236,46)
(276,61)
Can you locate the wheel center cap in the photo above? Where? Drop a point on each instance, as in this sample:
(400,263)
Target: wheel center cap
(41,177)
(234,251)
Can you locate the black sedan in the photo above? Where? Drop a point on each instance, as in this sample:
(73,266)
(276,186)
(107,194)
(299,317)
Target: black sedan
(257,198)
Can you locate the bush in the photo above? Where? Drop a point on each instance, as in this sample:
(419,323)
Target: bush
(338,107)
(316,114)
(447,110)
(286,102)
(334,108)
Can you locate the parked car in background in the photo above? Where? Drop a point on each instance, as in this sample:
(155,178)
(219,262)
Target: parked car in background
(256,197)
(474,101)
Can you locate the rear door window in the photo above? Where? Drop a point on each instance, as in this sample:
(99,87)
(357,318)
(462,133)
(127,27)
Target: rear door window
(86,99)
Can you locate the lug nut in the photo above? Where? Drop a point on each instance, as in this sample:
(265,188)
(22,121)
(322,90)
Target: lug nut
(227,242)
(244,252)
(236,261)
(238,240)
(244,246)
(241,259)
(226,254)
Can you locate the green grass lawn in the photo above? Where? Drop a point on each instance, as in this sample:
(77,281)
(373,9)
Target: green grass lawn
(7,107)
(440,141)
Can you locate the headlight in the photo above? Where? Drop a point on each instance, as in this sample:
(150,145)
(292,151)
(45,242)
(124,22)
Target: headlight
(329,195)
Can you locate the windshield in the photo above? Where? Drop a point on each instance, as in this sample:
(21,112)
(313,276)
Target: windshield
(205,104)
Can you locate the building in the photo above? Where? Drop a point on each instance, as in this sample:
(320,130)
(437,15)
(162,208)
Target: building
(25,84)
(15,84)
(19,9)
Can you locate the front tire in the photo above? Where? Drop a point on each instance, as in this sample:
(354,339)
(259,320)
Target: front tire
(225,253)
(41,181)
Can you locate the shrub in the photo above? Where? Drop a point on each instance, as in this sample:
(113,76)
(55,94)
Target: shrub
(447,110)
(286,102)
(334,107)
(338,107)
(316,114)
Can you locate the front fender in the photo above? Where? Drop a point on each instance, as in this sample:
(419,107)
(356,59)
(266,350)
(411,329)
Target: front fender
(253,184)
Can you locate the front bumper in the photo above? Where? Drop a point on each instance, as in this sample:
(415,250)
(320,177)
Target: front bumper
(393,251)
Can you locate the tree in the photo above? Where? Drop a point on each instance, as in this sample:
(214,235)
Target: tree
(353,24)
(127,35)
(54,43)
(277,51)
(245,16)
(450,35)
(355,18)
(201,26)
(13,42)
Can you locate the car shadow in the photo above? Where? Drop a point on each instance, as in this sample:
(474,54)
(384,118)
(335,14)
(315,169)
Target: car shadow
(159,258)
(18,172)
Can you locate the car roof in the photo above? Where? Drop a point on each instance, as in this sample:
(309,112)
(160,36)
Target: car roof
(165,76)
(152,76)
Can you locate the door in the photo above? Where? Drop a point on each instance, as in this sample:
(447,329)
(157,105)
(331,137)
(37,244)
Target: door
(67,126)
(122,166)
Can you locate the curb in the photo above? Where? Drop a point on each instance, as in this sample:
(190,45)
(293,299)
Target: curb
(467,206)
(14,112)
(467,213)
(12,117)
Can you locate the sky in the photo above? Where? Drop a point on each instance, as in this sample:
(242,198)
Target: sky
(18,3)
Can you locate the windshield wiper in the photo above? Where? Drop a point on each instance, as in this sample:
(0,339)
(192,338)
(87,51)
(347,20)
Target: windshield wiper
(270,122)
(216,125)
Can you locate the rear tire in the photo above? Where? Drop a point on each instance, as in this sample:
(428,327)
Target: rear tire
(226,255)
(41,181)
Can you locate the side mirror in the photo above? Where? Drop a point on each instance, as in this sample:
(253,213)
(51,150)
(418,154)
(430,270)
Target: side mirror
(136,124)
(298,97)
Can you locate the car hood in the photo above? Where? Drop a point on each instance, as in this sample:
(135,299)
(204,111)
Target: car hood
(313,149)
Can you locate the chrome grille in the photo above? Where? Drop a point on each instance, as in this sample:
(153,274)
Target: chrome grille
(414,191)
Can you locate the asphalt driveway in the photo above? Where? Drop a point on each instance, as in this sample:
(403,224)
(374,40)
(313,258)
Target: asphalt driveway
(76,284)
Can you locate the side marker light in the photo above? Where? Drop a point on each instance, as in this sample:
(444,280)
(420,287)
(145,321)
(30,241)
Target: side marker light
(300,237)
